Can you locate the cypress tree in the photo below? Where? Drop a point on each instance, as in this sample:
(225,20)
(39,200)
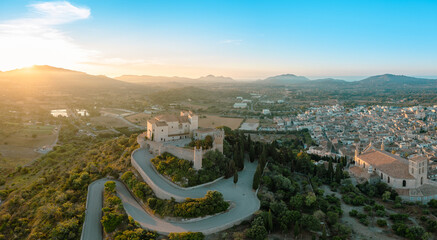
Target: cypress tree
(270,221)
(256,178)
(330,170)
(237,156)
(263,158)
(252,153)
(242,156)
(231,169)
(296,230)
(235,177)
(338,173)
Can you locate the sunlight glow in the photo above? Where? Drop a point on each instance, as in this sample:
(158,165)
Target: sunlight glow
(36,40)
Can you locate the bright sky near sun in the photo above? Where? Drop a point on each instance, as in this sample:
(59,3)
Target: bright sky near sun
(242,39)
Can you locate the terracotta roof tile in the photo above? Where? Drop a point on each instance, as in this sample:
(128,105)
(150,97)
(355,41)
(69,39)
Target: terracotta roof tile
(387,163)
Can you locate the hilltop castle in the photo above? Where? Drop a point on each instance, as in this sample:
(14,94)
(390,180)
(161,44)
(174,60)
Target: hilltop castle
(171,127)
(164,131)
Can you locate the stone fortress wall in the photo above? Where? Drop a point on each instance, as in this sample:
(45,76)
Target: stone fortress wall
(193,155)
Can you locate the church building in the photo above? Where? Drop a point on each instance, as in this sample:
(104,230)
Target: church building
(407,176)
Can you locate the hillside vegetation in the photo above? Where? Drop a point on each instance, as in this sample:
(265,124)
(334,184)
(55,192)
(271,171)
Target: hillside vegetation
(47,200)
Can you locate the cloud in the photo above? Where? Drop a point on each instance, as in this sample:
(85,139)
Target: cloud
(232,41)
(37,40)
(54,13)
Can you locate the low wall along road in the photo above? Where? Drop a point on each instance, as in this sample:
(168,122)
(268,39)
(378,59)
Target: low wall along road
(241,195)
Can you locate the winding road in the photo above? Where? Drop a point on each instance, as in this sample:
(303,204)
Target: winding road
(243,198)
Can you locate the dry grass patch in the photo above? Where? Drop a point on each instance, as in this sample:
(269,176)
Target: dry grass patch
(18,149)
(211,121)
(139,118)
(252,120)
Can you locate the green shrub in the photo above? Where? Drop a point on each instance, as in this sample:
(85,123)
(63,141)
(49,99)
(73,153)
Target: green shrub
(110,186)
(398,217)
(353,213)
(381,222)
(367,208)
(186,236)
(364,221)
(257,230)
(432,203)
(110,221)
(431,226)
(381,213)
(212,203)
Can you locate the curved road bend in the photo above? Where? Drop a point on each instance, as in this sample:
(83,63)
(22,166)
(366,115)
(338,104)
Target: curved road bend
(244,199)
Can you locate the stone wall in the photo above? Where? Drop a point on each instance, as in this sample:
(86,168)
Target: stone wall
(184,153)
(195,156)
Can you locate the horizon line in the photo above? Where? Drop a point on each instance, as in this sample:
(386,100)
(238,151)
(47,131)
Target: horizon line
(348,78)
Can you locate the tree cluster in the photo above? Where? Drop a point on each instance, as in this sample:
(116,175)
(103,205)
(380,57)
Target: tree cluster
(210,204)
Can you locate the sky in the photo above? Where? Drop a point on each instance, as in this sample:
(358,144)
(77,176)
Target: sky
(241,39)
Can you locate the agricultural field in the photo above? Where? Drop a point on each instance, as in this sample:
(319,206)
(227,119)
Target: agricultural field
(211,121)
(115,111)
(139,119)
(19,148)
(250,124)
(108,122)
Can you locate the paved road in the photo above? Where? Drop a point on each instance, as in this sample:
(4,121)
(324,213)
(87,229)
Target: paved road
(243,198)
(92,228)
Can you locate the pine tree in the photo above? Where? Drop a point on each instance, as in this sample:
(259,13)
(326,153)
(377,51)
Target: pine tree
(235,177)
(249,143)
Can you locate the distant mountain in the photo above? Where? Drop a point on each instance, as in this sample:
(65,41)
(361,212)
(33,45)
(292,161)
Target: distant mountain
(390,81)
(47,78)
(212,78)
(150,79)
(329,81)
(284,79)
(379,82)
(160,79)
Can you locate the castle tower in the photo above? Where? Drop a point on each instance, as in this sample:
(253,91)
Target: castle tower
(194,121)
(198,155)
